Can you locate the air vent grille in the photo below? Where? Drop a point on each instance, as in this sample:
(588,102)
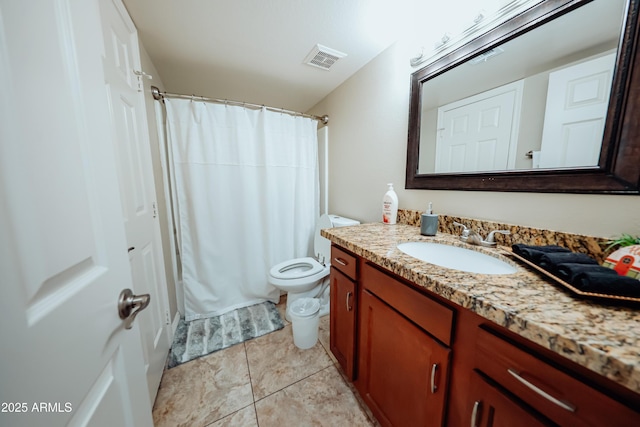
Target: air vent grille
(323,57)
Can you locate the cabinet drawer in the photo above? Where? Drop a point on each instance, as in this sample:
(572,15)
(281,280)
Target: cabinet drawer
(343,261)
(430,315)
(561,397)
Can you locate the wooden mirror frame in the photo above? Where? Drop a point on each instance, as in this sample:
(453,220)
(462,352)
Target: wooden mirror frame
(618,170)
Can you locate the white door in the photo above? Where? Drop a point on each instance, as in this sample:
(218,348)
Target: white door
(479,133)
(66,358)
(577,102)
(133,157)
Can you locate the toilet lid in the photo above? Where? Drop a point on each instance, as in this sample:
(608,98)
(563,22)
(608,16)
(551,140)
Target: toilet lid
(322,245)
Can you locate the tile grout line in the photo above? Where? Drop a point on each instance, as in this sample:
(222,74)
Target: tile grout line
(331,364)
(350,386)
(253,396)
(295,382)
(254,401)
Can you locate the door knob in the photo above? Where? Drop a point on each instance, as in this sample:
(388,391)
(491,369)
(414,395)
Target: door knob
(129,305)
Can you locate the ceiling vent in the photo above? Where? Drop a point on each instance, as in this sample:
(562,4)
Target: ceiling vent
(323,57)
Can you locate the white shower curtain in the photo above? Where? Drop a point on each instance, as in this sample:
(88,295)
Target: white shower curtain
(246,197)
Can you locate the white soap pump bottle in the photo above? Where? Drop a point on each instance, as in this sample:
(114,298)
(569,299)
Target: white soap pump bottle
(390,206)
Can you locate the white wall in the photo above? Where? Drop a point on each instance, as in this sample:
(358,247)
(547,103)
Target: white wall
(368,143)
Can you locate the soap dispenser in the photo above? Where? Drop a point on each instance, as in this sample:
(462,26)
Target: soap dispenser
(429,222)
(390,206)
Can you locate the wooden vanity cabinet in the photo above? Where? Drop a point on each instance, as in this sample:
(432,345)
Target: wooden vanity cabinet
(402,369)
(342,316)
(417,359)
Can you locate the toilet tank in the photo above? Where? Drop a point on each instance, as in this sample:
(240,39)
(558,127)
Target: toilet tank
(340,221)
(321,245)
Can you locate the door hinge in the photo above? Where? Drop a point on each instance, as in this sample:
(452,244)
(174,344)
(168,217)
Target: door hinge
(155,209)
(167,316)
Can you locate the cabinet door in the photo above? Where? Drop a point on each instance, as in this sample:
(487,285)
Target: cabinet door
(343,320)
(402,371)
(492,408)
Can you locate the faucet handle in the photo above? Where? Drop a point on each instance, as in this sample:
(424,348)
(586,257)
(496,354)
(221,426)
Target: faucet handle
(465,230)
(491,237)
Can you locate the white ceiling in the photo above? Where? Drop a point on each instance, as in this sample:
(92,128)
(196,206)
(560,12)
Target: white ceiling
(253,50)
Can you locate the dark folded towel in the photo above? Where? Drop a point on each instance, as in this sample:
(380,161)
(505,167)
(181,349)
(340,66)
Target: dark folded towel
(551,260)
(568,271)
(533,253)
(605,283)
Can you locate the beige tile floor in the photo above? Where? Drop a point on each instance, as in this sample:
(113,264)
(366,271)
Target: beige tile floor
(263,382)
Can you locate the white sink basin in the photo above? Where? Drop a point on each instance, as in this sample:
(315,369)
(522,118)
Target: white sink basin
(456,258)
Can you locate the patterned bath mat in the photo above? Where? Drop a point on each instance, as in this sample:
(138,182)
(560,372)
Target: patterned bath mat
(204,336)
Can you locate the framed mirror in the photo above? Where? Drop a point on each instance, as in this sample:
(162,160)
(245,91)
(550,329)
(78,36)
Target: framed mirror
(548,101)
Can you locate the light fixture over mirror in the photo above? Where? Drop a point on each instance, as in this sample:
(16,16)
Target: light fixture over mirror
(543,102)
(462,21)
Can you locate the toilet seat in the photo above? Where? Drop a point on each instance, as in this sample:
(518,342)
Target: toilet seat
(296,268)
(308,270)
(299,273)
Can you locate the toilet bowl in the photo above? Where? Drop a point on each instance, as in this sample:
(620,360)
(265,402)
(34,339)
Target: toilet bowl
(308,277)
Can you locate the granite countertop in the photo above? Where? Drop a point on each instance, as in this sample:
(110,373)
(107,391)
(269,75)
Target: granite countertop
(603,338)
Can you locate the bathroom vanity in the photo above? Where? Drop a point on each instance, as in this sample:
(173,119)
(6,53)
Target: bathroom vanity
(430,346)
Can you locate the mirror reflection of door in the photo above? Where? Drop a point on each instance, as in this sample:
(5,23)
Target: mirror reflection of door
(530,57)
(475,133)
(577,101)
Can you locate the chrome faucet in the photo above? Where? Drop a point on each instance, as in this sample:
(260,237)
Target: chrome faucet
(491,240)
(474,238)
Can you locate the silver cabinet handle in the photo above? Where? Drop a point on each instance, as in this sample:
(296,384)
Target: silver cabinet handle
(434,387)
(129,305)
(340,261)
(348,298)
(474,414)
(569,407)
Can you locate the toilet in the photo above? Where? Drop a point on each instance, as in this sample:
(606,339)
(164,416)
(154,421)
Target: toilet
(308,277)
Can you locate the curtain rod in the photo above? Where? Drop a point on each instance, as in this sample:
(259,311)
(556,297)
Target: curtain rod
(157,95)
